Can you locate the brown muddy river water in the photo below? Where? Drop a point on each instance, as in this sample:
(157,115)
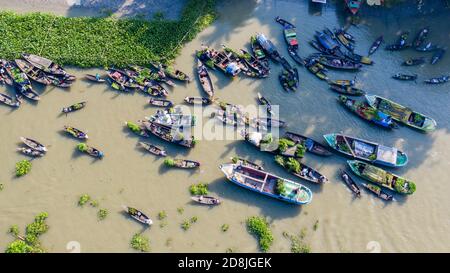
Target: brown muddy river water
(127,175)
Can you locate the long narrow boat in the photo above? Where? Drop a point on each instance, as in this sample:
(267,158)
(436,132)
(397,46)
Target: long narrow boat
(168,134)
(421,37)
(94,78)
(401,42)
(4,77)
(338,63)
(7,100)
(160,102)
(152,148)
(44,64)
(365,111)
(350,183)
(290,36)
(138,215)
(378,192)
(353,5)
(414,61)
(181,163)
(205,79)
(439,54)
(171,72)
(268,47)
(300,170)
(259,66)
(381,177)
(342,82)
(148,74)
(74,107)
(367,150)
(245,162)
(172,119)
(343,40)
(258,52)
(121,78)
(401,113)
(198,100)
(153,88)
(206,200)
(264,101)
(266,143)
(316,68)
(76,133)
(267,184)
(347,90)
(84,148)
(376,44)
(30,152)
(266,122)
(438,80)
(311,145)
(21,82)
(32,72)
(404,77)
(33,144)
(428,47)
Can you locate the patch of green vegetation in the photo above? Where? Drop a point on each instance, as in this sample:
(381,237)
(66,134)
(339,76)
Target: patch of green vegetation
(159,15)
(225,227)
(94,203)
(186,225)
(259,227)
(82,147)
(112,42)
(83,199)
(169,162)
(316,225)
(280,187)
(163,224)
(23,167)
(30,242)
(162,215)
(140,242)
(1,187)
(180,210)
(193,219)
(199,189)
(134,127)
(102,213)
(14,230)
(297,242)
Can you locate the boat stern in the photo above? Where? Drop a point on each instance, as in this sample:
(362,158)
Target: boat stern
(371,99)
(402,159)
(429,125)
(227,169)
(353,164)
(330,139)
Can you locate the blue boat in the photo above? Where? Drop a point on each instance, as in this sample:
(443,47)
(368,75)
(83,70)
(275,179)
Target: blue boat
(267,184)
(326,41)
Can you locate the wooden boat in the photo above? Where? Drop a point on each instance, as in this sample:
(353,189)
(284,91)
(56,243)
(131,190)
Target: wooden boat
(367,150)
(153,88)
(260,67)
(205,56)
(316,68)
(347,90)
(338,63)
(342,82)
(171,72)
(265,122)
(44,64)
(300,170)
(206,200)
(343,40)
(117,86)
(229,117)
(365,111)
(289,80)
(4,77)
(267,184)
(264,101)
(181,163)
(356,58)
(33,144)
(172,119)
(378,192)
(7,100)
(401,43)
(32,72)
(121,78)
(198,100)
(74,107)
(381,177)
(60,81)
(258,52)
(353,5)
(205,79)
(266,143)
(223,62)
(84,148)
(350,183)
(160,102)
(421,37)
(168,134)
(428,47)
(268,47)
(311,145)
(152,148)
(138,215)
(401,113)
(405,77)
(139,130)
(94,78)
(148,74)
(76,133)
(325,41)
(30,152)
(437,55)
(245,162)
(290,36)
(438,80)
(20,81)
(413,62)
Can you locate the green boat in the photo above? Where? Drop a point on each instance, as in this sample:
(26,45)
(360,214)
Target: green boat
(402,114)
(381,177)
(366,150)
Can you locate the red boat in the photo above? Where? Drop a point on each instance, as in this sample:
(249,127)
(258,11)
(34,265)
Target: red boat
(353,5)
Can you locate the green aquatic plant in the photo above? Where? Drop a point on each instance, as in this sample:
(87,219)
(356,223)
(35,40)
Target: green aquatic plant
(94,203)
(19,246)
(102,213)
(1,187)
(300,151)
(193,219)
(162,215)
(316,225)
(14,230)
(180,210)
(83,199)
(297,243)
(225,227)
(23,167)
(30,242)
(280,187)
(293,165)
(199,189)
(134,127)
(169,162)
(284,144)
(140,242)
(259,227)
(186,224)
(82,147)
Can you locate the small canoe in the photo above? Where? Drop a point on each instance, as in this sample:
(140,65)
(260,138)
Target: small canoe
(376,45)
(300,170)
(7,100)
(338,62)
(350,183)
(76,133)
(378,192)
(21,81)
(289,80)
(404,77)
(198,100)
(259,66)
(343,40)
(264,101)
(84,148)
(138,215)
(353,5)
(381,177)
(169,134)
(325,41)
(258,51)
(30,152)
(290,36)
(62,81)
(347,90)
(160,102)
(316,68)
(267,122)
(181,163)
(401,42)
(245,162)
(121,78)
(366,112)
(94,78)
(152,148)
(206,200)
(421,37)
(342,82)
(153,88)
(32,72)
(437,55)
(171,72)
(44,64)
(74,107)
(311,145)
(4,77)
(268,47)
(413,62)
(139,130)
(438,80)
(401,113)
(33,144)
(428,47)
(205,79)
(367,150)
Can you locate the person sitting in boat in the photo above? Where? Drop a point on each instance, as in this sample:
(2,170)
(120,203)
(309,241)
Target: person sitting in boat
(97,77)
(304,171)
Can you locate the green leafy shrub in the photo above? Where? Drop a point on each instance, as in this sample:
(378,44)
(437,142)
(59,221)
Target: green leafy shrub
(30,242)
(19,246)
(102,213)
(14,230)
(259,227)
(180,210)
(83,199)
(199,189)
(23,167)
(140,242)
(193,219)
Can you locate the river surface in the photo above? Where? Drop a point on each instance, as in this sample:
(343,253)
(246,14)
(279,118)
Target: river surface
(127,175)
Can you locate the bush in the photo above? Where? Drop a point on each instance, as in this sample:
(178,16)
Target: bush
(199,189)
(19,246)
(23,167)
(259,227)
(140,242)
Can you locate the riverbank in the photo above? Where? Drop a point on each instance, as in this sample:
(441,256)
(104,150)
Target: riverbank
(97,42)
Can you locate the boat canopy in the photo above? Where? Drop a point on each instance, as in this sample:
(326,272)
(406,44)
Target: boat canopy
(363,149)
(387,154)
(232,68)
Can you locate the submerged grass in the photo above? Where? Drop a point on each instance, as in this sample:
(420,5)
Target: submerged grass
(93,42)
